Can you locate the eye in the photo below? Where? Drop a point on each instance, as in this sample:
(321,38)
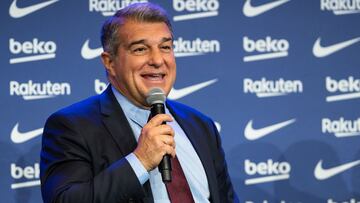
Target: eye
(139,50)
(166,48)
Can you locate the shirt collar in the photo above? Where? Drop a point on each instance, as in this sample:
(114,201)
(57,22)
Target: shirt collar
(136,114)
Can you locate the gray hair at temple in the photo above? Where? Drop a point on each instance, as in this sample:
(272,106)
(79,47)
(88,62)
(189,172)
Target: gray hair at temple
(139,12)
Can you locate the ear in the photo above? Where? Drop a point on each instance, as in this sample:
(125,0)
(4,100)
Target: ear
(108,62)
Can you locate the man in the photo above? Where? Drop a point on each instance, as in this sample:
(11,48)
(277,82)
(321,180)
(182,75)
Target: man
(103,149)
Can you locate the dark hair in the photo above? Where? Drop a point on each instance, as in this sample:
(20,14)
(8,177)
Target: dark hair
(139,12)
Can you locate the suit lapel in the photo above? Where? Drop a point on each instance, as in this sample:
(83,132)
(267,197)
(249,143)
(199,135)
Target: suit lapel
(118,126)
(197,138)
(116,122)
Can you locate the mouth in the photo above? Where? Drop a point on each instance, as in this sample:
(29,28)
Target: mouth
(153,76)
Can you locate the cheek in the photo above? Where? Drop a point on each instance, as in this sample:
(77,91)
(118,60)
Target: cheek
(128,69)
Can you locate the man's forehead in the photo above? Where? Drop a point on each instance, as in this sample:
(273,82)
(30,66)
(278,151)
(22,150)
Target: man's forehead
(148,41)
(134,30)
(131,39)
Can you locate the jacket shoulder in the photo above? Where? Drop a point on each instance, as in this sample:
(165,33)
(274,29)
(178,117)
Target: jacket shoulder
(187,111)
(81,109)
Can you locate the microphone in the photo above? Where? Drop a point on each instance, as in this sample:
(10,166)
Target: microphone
(156,98)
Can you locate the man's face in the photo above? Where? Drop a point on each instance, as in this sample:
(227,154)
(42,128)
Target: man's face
(145,59)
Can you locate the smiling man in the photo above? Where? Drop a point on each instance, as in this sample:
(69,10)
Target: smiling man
(104,149)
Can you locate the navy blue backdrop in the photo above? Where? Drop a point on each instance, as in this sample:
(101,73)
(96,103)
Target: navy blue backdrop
(280,78)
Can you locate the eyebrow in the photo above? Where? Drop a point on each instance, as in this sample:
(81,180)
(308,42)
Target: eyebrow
(142,41)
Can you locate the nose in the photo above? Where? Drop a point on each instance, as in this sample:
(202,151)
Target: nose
(156,58)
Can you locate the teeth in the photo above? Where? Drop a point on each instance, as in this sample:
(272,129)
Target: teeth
(154,76)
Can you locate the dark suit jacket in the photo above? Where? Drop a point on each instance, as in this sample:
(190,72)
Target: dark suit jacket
(84,145)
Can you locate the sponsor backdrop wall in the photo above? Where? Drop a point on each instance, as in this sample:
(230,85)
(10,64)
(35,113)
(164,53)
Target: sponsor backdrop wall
(280,78)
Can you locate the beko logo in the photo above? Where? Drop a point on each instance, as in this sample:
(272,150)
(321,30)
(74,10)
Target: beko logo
(268,171)
(35,50)
(352,200)
(30,174)
(195,47)
(99,86)
(198,9)
(17,12)
(109,7)
(346,88)
(271,88)
(341,7)
(32,91)
(341,127)
(263,49)
(251,11)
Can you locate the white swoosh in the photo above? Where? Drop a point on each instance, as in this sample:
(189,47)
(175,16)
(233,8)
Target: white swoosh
(179,93)
(17,12)
(88,53)
(251,11)
(253,134)
(18,137)
(218,126)
(322,174)
(320,51)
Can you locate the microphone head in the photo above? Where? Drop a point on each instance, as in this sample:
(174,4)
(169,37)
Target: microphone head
(155,96)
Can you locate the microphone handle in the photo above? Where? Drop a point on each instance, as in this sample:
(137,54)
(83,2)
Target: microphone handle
(165,164)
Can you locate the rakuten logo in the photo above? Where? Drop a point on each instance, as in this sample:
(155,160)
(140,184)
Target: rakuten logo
(346,88)
(99,86)
(33,91)
(341,127)
(197,9)
(341,7)
(195,47)
(29,175)
(109,7)
(34,50)
(263,49)
(352,200)
(271,88)
(268,171)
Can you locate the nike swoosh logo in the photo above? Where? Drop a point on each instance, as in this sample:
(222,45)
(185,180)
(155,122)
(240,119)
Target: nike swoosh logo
(253,134)
(21,137)
(88,53)
(179,93)
(321,51)
(322,174)
(252,11)
(17,12)
(218,126)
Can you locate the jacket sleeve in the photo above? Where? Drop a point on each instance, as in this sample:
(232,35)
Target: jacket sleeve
(66,168)
(226,190)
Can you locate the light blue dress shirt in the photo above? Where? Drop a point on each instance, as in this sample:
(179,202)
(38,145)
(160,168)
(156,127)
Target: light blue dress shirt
(188,158)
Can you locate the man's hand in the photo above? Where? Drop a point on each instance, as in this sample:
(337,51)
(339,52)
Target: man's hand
(155,141)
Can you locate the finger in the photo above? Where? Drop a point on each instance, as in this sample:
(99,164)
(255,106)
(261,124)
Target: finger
(159,119)
(169,150)
(154,132)
(168,141)
(161,140)
(164,130)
